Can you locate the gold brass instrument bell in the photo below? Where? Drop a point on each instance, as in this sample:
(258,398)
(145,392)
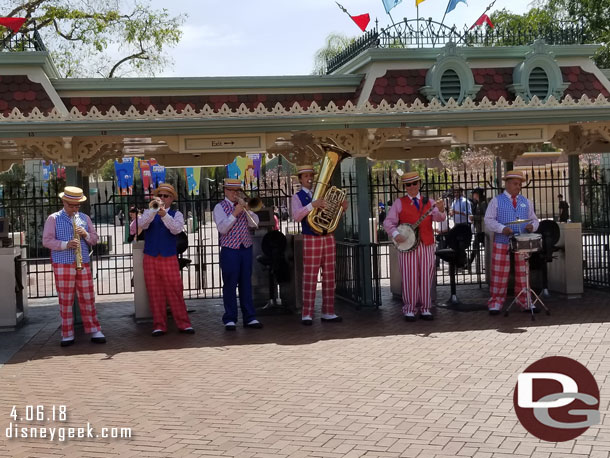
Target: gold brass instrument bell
(326,220)
(252,204)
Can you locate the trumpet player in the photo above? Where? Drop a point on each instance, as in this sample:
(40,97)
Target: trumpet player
(318,252)
(416,266)
(64,232)
(161,270)
(234,220)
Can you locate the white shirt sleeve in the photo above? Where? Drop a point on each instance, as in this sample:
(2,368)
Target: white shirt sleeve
(224,222)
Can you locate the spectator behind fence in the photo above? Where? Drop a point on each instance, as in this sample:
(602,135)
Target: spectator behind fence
(564,210)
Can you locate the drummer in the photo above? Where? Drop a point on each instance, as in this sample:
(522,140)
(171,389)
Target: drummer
(510,206)
(417,265)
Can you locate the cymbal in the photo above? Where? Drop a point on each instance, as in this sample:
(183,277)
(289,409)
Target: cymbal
(519,221)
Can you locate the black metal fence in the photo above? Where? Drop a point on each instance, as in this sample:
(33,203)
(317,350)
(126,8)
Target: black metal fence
(26,207)
(420,33)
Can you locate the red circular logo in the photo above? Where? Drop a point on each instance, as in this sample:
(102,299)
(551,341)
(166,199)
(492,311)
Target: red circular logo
(556,399)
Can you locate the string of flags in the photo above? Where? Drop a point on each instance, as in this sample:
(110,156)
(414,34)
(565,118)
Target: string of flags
(363,20)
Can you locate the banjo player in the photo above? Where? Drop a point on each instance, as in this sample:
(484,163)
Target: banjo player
(416,261)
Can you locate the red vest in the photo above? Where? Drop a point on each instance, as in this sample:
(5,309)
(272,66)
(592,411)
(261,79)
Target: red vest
(410,214)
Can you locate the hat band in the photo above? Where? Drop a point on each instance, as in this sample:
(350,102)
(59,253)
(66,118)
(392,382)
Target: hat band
(72,197)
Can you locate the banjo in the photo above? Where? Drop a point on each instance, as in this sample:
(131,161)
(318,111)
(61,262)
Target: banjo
(411,232)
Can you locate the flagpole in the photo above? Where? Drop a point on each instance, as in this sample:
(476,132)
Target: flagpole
(394,24)
(486,10)
(417,34)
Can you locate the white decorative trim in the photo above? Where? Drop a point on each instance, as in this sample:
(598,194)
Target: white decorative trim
(280,111)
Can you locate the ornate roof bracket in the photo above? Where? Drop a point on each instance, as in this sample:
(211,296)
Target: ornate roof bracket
(577,139)
(85,153)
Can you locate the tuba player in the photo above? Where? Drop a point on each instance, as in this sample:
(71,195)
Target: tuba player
(318,252)
(416,266)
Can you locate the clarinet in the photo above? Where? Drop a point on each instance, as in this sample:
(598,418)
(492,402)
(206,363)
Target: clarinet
(78,254)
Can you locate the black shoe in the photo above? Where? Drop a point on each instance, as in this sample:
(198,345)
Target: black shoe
(427,317)
(257,325)
(494,312)
(410,318)
(536,310)
(98,340)
(187,331)
(336,319)
(67,343)
(307,322)
(158,333)
(230,327)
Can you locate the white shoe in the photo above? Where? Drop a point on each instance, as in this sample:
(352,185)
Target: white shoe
(328,316)
(97,335)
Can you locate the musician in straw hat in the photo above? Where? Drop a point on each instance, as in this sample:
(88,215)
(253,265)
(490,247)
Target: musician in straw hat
(416,266)
(318,252)
(507,207)
(59,237)
(236,255)
(161,269)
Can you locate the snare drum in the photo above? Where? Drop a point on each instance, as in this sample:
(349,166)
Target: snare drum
(526,243)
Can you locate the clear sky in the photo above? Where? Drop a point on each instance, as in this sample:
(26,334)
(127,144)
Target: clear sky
(281,37)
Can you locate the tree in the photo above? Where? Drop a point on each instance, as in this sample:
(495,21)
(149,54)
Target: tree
(591,15)
(335,43)
(101,37)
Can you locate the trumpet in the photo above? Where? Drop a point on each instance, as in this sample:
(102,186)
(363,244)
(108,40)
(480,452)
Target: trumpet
(253,204)
(154,205)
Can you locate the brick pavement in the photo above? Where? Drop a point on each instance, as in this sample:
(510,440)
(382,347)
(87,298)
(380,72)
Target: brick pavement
(372,386)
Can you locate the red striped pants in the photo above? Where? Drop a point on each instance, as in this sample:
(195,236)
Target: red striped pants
(500,269)
(164,285)
(67,280)
(318,252)
(417,271)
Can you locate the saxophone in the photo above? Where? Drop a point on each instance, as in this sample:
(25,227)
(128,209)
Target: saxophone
(78,255)
(325,220)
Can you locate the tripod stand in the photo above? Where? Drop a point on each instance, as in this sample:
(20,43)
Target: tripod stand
(527,291)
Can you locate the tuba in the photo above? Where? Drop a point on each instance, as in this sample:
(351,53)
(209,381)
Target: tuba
(325,220)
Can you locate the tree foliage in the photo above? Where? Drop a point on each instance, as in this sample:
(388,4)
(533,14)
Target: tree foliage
(101,37)
(335,43)
(592,15)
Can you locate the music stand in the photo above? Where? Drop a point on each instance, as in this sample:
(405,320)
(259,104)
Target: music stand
(527,290)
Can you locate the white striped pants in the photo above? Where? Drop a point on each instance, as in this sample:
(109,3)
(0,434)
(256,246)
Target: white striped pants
(417,271)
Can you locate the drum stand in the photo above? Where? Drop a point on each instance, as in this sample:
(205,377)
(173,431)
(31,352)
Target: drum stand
(527,290)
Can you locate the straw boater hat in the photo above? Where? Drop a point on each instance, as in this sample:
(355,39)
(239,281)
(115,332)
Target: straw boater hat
(409,177)
(72,194)
(518,174)
(166,188)
(232,183)
(308,168)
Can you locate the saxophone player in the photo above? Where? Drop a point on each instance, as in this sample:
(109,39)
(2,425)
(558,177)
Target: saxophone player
(318,252)
(64,233)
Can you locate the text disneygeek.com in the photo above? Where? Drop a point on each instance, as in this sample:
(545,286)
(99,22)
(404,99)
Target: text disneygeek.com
(21,427)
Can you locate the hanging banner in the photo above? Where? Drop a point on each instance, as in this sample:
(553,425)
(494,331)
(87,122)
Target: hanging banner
(146,175)
(124,175)
(247,169)
(158,174)
(192,176)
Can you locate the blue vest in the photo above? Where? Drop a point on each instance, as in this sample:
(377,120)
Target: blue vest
(159,240)
(507,213)
(64,231)
(305,200)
